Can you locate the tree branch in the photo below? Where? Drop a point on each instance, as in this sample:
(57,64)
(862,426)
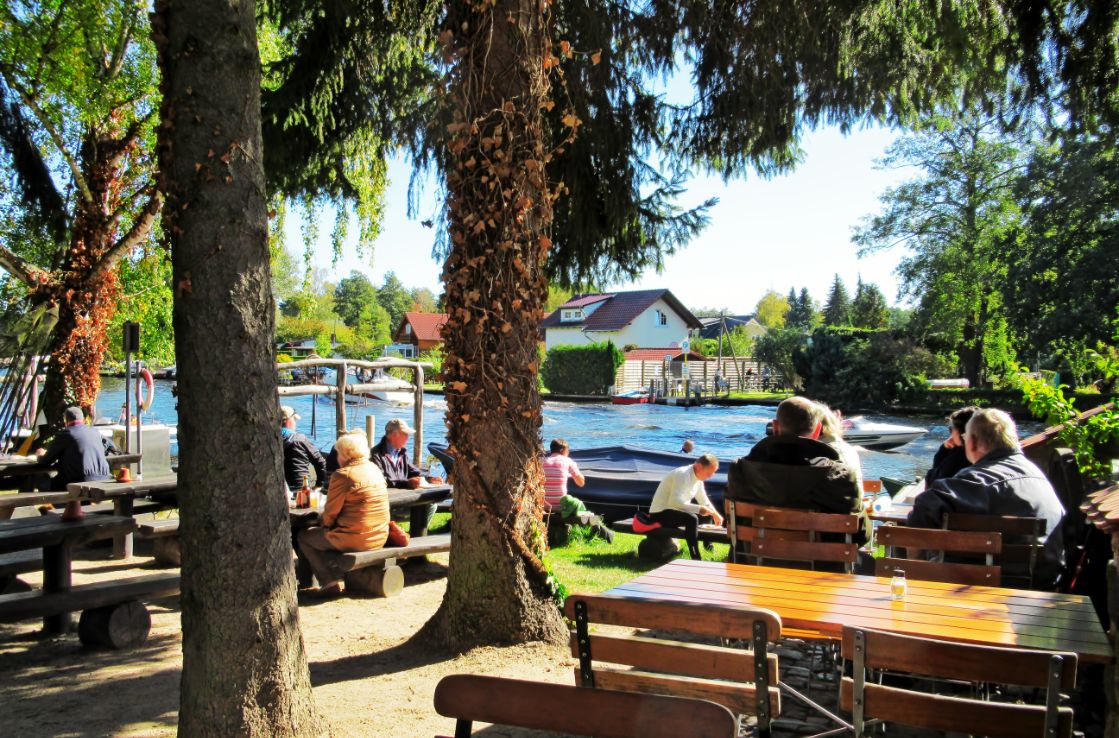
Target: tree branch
(129,241)
(20,268)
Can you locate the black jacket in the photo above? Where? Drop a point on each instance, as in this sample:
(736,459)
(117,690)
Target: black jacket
(946,463)
(300,457)
(789,471)
(1003,482)
(397,470)
(79,455)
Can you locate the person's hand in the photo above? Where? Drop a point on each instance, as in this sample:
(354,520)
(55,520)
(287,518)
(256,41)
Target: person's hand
(415,482)
(40,452)
(435,480)
(706,512)
(717,518)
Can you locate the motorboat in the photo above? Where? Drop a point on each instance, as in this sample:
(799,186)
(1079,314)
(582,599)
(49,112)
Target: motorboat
(387,388)
(858,431)
(638,396)
(620,479)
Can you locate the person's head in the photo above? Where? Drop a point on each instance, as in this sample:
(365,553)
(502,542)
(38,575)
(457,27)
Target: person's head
(957,426)
(831,427)
(987,431)
(397,431)
(705,467)
(688,446)
(351,448)
(797,416)
(73,416)
(288,416)
(559,446)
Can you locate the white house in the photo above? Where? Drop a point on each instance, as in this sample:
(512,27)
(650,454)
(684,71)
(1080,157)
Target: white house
(644,318)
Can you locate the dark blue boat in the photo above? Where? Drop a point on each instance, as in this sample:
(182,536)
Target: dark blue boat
(620,479)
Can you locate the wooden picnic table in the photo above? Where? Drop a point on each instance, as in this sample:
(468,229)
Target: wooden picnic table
(56,537)
(123,495)
(415,500)
(821,603)
(25,466)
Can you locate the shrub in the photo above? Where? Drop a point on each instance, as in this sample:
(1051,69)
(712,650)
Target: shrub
(581,370)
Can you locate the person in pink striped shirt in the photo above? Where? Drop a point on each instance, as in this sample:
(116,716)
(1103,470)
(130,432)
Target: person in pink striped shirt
(558,468)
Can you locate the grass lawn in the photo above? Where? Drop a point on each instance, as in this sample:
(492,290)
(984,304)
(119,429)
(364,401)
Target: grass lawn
(590,564)
(759,395)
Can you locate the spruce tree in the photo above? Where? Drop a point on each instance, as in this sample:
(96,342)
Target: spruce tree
(869,309)
(837,310)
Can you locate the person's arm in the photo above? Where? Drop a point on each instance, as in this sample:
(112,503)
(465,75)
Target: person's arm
(705,506)
(335,499)
(577,476)
(681,495)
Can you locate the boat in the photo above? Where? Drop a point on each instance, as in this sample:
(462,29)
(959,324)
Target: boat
(858,431)
(632,397)
(387,388)
(621,479)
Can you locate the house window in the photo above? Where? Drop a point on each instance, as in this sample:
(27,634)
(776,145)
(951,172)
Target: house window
(569,316)
(659,318)
(407,329)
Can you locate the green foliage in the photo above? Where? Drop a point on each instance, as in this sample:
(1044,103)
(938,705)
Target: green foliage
(146,299)
(802,310)
(395,298)
(737,342)
(352,295)
(581,370)
(777,349)
(771,310)
(837,309)
(424,301)
(863,368)
(868,309)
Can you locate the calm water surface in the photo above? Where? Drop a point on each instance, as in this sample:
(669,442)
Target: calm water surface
(724,431)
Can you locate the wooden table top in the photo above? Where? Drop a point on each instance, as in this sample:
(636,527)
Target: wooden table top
(110,488)
(48,530)
(398,499)
(825,602)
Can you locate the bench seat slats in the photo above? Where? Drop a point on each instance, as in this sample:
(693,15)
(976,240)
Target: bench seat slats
(420,546)
(21,562)
(739,697)
(24,605)
(158,528)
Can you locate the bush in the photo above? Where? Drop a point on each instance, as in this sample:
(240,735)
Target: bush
(581,370)
(863,368)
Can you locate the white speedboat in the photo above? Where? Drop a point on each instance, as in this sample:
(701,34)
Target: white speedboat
(858,431)
(388,388)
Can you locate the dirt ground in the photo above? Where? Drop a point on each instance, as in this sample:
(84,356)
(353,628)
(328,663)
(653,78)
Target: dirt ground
(374,683)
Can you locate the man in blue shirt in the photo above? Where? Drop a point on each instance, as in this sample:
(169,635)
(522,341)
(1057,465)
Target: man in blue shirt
(77,452)
(392,457)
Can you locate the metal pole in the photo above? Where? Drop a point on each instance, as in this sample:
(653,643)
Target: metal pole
(340,401)
(418,414)
(128,402)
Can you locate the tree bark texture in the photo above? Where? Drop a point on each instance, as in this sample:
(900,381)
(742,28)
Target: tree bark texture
(245,671)
(500,212)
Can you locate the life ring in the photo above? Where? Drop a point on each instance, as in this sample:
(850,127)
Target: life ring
(144,378)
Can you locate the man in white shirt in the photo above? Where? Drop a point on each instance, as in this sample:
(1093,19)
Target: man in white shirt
(681,499)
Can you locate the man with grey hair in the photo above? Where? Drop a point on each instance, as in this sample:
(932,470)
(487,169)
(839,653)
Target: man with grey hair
(1000,481)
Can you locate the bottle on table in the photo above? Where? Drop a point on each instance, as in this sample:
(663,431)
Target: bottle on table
(303,496)
(898,586)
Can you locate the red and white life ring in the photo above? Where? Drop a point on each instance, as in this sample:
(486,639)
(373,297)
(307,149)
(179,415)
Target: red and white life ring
(144,379)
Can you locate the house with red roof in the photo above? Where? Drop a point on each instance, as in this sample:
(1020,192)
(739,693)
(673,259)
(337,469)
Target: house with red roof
(643,318)
(422,330)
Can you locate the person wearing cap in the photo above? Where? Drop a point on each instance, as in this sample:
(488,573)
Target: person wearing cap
(77,452)
(392,458)
(300,455)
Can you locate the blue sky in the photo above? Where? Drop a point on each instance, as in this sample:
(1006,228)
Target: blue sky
(792,230)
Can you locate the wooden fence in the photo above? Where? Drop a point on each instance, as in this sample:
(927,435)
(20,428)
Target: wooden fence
(742,374)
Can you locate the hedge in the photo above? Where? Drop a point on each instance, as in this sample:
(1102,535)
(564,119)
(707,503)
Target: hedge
(581,370)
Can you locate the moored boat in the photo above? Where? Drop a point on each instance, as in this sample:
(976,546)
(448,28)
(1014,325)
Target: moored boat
(858,431)
(632,397)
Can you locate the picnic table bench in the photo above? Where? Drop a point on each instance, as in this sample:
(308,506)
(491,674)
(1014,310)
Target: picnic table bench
(23,466)
(161,489)
(112,614)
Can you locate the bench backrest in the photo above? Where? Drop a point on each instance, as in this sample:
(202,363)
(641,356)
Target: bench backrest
(1021,545)
(918,541)
(745,681)
(924,657)
(788,534)
(577,711)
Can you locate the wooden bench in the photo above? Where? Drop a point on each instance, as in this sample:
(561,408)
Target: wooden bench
(16,563)
(744,681)
(164,535)
(660,544)
(112,614)
(376,571)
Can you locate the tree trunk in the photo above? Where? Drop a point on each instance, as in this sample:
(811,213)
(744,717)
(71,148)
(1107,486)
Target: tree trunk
(244,667)
(971,356)
(499,215)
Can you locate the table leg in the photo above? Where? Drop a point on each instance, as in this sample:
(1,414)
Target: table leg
(418,518)
(122,544)
(57,578)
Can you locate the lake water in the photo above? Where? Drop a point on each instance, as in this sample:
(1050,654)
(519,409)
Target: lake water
(725,431)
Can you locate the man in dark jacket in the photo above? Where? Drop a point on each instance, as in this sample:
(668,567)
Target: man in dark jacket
(392,456)
(951,457)
(1000,481)
(77,452)
(792,468)
(300,455)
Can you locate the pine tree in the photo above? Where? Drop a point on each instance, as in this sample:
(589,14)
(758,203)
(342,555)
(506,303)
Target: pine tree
(869,309)
(802,310)
(837,310)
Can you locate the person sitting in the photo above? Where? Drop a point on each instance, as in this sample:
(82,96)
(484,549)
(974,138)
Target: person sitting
(558,469)
(355,517)
(688,446)
(1000,481)
(793,468)
(390,456)
(680,500)
(831,433)
(951,457)
(300,455)
(77,453)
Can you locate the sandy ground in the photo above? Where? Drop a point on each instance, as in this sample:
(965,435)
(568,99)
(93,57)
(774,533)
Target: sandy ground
(372,682)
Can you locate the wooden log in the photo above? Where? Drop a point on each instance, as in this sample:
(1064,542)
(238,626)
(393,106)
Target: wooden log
(658,548)
(125,625)
(386,582)
(167,551)
(57,578)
